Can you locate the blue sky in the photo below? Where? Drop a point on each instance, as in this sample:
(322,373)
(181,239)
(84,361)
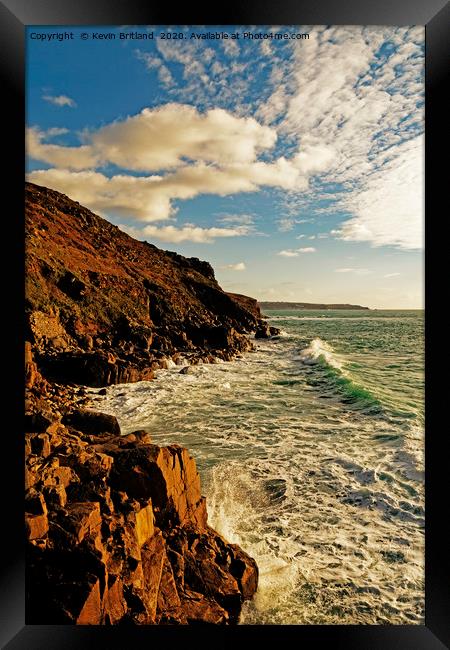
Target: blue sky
(295,166)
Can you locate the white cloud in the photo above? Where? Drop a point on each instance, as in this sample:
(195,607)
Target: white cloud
(389,210)
(59,100)
(356,271)
(344,110)
(50,133)
(189,232)
(164,137)
(341,94)
(240,266)
(391,275)
(241,219)
(155,63)
(150,198)
(296,251)
(230,47)
(81,157)
(210,153)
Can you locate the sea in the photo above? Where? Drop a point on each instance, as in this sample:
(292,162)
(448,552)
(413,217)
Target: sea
(311,455)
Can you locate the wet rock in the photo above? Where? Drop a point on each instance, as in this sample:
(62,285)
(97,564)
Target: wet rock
(264,331)
(92,422)
(245,570)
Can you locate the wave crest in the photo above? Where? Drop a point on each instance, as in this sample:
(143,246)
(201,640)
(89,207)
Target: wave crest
(333,375)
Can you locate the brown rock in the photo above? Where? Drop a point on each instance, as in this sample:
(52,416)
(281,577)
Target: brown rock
(35,503)
(83,519)
(144,520)
(153,558)
(36,526)
(91,611)
(55,496)
(39,444)
(168,599)
(245,569)
(114,604)
(92,422)
(198,609)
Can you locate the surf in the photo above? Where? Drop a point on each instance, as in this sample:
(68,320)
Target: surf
(333,374)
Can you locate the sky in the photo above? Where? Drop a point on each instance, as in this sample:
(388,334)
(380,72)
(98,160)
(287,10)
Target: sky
(294,165)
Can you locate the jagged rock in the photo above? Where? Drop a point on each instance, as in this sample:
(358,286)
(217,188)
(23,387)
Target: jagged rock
(144,524)
(264,331)
(114,604)
(149,557)
(153,558)
(245,570)
(55,496)
(83,519)
(36,526)
(39,443)
(92,422)
(91,610)
(198,609)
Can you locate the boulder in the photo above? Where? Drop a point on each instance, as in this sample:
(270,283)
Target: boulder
(92,422)
(264,331)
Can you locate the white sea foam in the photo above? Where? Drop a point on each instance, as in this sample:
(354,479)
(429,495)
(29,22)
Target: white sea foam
(317,350)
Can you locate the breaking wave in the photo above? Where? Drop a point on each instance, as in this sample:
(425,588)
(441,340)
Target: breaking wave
(331,374)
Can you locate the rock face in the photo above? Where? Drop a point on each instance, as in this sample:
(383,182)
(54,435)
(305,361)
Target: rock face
(117,532)
(103,308)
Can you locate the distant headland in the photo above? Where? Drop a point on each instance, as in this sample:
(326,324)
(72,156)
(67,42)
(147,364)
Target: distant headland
(306,305)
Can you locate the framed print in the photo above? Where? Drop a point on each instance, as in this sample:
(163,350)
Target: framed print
(224,256)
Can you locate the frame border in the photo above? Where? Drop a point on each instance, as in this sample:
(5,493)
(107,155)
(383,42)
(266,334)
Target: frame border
(15,15)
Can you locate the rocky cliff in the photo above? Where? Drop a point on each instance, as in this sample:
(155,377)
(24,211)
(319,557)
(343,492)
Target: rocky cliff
(117,532)
(116,526)
(104,308)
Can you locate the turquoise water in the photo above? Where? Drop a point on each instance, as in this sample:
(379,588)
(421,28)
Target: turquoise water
(310,452)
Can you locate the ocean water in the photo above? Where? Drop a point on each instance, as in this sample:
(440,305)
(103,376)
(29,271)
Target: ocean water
(311,455)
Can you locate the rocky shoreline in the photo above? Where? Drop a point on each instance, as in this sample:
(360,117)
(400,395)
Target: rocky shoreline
(116,526)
